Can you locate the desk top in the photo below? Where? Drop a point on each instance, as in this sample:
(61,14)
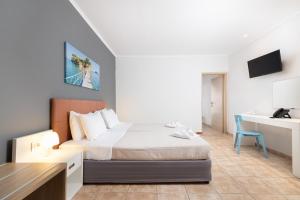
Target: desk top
(293,120)
(19,180)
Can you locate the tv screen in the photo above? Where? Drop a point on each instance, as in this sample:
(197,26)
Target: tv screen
(267,64)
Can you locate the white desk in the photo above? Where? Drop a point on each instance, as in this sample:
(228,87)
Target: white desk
(293,124)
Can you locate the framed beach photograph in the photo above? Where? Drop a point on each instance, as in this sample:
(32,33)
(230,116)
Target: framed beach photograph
(80,70)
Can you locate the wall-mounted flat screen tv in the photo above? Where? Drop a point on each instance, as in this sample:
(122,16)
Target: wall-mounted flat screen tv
(267,64)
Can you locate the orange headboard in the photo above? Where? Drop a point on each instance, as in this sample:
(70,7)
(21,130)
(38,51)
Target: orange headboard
(60,109)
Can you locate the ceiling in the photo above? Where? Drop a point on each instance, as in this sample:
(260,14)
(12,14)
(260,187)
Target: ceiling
(183,27)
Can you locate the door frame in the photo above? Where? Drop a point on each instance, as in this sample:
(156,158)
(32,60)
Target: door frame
(224,98)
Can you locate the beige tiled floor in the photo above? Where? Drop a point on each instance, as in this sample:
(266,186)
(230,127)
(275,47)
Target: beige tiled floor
(248,176)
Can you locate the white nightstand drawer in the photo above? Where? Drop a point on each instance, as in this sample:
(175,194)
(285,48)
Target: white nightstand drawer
(74,164)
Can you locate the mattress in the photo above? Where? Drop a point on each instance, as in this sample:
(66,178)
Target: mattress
(143,142)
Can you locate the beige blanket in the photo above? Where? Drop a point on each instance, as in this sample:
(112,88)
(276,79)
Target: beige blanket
(153,142)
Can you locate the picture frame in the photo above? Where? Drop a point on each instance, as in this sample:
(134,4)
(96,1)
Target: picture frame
(80,70)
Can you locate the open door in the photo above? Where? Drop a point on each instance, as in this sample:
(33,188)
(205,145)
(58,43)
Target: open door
(216,105)
(214,112)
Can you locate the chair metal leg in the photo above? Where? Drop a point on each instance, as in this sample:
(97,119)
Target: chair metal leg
(235,140)
(257,142)
(239,140)
(262,142)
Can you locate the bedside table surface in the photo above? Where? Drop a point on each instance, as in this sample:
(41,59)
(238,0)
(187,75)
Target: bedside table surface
(58,155)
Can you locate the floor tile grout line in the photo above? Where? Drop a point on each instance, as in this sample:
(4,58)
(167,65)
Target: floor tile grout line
(187,193)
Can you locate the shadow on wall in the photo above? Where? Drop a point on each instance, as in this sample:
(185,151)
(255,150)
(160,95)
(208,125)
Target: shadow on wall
(9,151)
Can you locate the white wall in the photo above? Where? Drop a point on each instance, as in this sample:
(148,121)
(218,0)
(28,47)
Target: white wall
(206,99)
(157,89)
(255,94)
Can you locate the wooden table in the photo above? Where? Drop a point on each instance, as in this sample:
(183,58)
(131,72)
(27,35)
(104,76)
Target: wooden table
(74,166)
(32,181)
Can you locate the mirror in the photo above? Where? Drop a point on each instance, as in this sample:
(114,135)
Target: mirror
(286,93)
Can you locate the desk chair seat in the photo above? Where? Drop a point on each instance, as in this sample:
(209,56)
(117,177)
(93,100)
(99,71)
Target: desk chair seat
(250,133)
(260,141)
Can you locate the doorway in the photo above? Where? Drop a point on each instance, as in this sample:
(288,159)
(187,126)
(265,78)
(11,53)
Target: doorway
(214,113)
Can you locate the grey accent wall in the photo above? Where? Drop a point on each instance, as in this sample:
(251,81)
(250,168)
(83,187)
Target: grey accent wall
(32,35)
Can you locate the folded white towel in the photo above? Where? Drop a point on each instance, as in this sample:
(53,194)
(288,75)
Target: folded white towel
(184,134)
(191,133)
(174,125)
(180,135)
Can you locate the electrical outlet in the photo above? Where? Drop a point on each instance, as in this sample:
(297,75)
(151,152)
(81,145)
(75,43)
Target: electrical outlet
(34,145)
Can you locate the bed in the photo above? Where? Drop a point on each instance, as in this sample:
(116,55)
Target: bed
(144,154)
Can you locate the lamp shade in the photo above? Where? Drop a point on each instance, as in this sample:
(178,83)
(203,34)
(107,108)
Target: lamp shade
(50,139)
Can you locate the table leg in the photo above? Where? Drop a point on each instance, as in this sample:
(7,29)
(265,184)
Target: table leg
(296,151)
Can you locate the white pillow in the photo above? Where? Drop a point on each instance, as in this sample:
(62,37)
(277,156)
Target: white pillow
(110,118)
(75,126)
(103,114)
(93,125)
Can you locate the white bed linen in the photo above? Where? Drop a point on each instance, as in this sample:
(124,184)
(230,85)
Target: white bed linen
(142,142)
(100,148)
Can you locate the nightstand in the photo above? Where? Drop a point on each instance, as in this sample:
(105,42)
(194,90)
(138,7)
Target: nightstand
(74,171)
(74,161)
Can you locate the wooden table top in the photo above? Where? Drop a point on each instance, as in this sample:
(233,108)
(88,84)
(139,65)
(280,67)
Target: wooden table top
(18,180)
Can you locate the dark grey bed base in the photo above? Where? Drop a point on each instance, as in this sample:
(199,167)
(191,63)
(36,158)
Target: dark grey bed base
(114,171)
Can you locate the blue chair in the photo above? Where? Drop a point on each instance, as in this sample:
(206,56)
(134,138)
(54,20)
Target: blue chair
(240,133)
